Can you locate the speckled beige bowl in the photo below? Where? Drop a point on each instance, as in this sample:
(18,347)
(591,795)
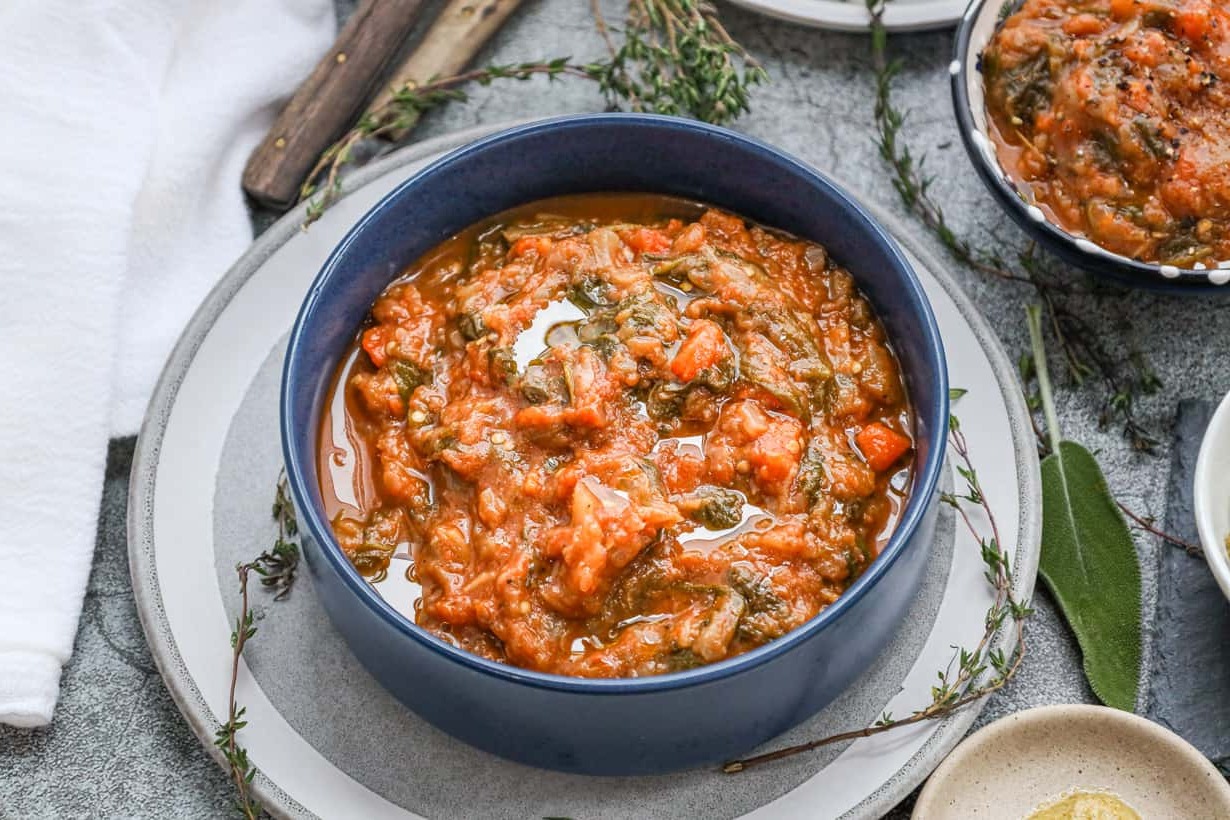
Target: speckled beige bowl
(1028,759)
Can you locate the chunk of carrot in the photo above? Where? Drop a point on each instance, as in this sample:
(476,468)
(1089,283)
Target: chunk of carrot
(1194,20)
(374,343)
(647,240)
(704,347)
(881,445)
(527,244)
(1082,24)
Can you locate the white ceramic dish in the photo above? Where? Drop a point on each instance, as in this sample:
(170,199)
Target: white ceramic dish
(978,25)
(330,742)
(1212,495)
(1026,760)
(851,15)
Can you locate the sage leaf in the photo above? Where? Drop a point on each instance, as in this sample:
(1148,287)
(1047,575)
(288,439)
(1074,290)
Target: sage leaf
(1090,566)
(1088,559)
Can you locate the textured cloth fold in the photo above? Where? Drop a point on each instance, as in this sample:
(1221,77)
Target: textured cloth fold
(124,126)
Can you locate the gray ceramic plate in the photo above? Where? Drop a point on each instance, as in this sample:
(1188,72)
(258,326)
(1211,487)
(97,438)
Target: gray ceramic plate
(329,742)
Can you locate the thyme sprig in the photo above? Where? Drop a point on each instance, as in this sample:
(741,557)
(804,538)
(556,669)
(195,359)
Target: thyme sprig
(241,769)
(675,58)
(972,674)
(276,568)
(402,110)
(1123,379)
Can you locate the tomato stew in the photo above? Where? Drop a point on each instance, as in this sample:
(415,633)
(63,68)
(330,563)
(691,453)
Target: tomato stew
(1115,116)
(616,435)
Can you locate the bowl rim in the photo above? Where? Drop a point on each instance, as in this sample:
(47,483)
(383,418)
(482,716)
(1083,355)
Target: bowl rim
(1078,249)
(926,480)
(1215,444)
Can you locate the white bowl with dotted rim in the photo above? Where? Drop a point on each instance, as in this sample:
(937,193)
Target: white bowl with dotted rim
(1211,495)
(1026,760)
(975,30)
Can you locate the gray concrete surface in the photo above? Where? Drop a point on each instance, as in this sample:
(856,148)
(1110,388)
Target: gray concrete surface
(119,748)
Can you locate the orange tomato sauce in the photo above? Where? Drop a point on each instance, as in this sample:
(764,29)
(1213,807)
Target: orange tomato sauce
(616,435)
(1113,116)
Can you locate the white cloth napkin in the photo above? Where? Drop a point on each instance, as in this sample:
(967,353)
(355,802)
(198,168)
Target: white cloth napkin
(124,127)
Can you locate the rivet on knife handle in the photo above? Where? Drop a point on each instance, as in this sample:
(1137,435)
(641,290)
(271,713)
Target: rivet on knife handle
(459,33)
(328,100)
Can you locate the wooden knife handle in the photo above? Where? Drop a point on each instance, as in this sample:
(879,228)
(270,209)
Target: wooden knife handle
(459,33)
(328,100)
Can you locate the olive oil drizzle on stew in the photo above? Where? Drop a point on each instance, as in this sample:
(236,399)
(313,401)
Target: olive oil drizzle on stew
(616,435)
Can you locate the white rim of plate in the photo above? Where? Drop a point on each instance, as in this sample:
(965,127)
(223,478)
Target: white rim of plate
(926,743)
(852,15)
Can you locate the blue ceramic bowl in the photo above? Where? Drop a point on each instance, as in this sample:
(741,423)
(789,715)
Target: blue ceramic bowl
(977,27)
(623,726)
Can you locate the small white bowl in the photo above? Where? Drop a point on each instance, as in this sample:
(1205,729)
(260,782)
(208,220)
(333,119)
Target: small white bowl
(1212,495)
(1026,760)
(979,24)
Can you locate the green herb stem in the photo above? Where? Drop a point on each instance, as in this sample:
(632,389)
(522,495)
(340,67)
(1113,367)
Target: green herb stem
(1146,524)
(1034,317)
(277,567)
(241,768)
